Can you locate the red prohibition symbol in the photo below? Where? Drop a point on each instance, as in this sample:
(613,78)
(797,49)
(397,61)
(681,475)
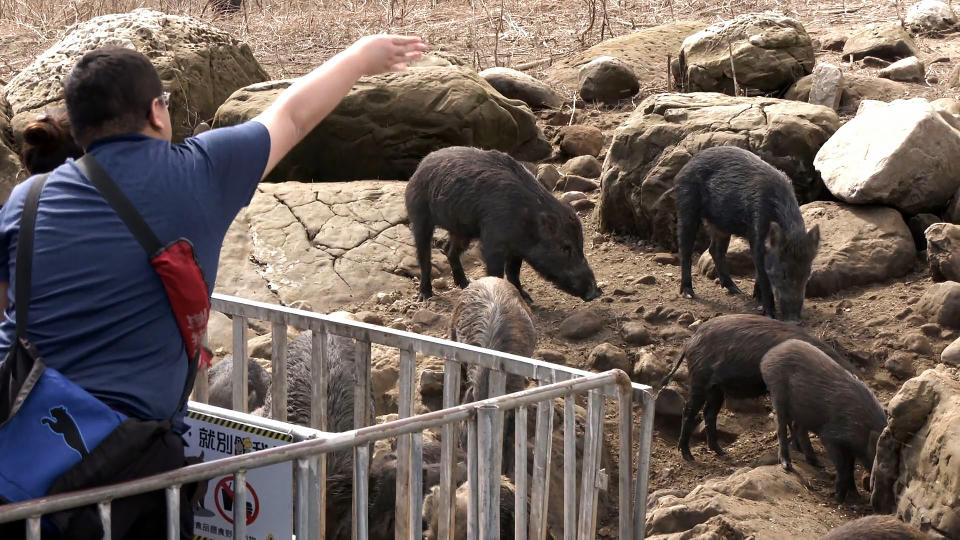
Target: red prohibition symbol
(223,497)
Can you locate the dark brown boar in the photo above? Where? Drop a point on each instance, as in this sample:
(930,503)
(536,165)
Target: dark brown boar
(876,528)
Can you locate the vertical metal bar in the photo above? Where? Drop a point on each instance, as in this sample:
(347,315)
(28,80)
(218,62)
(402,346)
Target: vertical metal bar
(540,492)
(240,504)
(404,481)
(278,359)
(416,488)
(201,384)
(520,474)
(643,466)
(361,417)
(473,528)
(569,468)
(498,383)
(303,499)
(487,472)
(318,417)
(173,513)
(593,435)
(448,443)
(361,485)
(104,508)
(315,527)
(240,363)
(33,528)
(625,400)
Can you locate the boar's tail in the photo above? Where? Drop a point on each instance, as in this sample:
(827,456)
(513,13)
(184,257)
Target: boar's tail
(666,380)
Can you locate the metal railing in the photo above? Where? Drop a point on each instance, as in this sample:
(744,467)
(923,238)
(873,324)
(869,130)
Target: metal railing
(484,420)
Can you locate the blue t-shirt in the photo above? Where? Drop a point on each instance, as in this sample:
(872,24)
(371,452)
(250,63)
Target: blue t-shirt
(98,310)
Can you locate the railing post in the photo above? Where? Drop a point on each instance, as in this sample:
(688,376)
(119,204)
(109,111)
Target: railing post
(520,474)
(201,384)
(173,513)
(33,528)
(448,444)
(404,528)
(416,488)
(473,482)
(488,472)
(540,493)
(569,468)
(104,508)
(625,401)
(278,359)
(593,438)
(240,504)
(240,364)
(361,454)
(643,466)
(318,420)
(361,485)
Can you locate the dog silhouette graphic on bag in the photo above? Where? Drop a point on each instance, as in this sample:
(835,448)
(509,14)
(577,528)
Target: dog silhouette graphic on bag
(63,424)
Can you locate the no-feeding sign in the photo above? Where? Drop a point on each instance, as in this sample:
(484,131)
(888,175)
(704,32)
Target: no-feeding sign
(269,489)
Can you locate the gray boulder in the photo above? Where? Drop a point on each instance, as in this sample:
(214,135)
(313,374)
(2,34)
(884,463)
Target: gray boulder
(887,40)
(9,162)
(827,88)
(943,251)
(515,84)
(666,130)
(941,304)
(930,16)
(607,79)
(770,52)
(856,88)
(199,65)
(389,122)
(907,70)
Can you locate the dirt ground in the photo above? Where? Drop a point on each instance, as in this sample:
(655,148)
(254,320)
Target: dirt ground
(866,323)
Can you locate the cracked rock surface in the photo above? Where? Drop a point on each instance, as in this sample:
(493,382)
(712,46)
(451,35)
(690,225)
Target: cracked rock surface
(389,122)
(666,130)
(9,162)
(323,246)
(199,64)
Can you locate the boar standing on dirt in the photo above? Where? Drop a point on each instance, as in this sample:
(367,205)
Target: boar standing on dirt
(881,527)
(813,393)
(486,194)
(723,358)
(738,193)
(491,314)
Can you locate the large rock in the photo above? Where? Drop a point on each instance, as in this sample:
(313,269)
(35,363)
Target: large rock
(644,51)
(770,52)
(389,122)
(907,70)
(858,245)
(9,162)
(744,502)
(915,473)
(896,164)
(941,304)
(943,251)
(666,130)
(199,64)
(887,40)
(930,16)
(827,87)
(856,88)
(607,79)
(515,84)
(323,246)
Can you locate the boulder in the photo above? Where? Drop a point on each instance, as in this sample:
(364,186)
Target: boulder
(827,88)
(739,260)
(833,41)
(952,213)
(770,52)
(941,304)
(897,165)
(389,122)
(199,65)
(607,79)
(858,245)
(650,368)
(515,84)
(943,251)
(930,16)
(951,354)
(605,357)
(887,40)
(572,182)
(950,105)
(666,130)
(9,162)
(579,140)
(907,70)
(581,324)
(636,333)
(856,88)
(548,175)
(586,166)
(323,246)
(915,475)
(874,62)
(643,51)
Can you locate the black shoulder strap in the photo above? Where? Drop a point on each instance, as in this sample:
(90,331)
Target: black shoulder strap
(28,223)
(120,203)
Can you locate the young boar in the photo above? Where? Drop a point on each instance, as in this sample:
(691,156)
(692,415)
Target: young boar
(486,194)
(738,193)
(814,394)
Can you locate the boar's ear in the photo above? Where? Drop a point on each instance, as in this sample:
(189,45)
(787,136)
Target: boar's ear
(774,236)
(813,236)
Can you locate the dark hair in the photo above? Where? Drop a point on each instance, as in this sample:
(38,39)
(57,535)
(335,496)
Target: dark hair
(109,92)
(47,142)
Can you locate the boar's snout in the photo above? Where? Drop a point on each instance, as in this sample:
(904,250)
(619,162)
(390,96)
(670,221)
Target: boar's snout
(592,292)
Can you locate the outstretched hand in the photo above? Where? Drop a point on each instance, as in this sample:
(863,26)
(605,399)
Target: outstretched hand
(381,52)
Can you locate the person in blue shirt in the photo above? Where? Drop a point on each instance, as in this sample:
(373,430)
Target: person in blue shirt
(98,311)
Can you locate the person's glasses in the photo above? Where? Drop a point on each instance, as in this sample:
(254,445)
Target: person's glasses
(165,99)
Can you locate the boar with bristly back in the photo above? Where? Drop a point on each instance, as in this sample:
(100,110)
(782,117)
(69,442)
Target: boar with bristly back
(876,528)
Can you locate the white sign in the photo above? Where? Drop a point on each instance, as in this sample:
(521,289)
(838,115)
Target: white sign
(269,489)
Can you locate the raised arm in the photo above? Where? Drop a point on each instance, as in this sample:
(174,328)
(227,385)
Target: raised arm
(309,100)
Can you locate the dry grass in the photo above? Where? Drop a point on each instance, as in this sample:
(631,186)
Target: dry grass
(291,36)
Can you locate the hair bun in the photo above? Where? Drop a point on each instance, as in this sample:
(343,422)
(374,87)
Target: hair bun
(41,133)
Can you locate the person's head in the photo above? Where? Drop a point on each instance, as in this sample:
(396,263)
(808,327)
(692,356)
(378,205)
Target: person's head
(47,142)
(112,91)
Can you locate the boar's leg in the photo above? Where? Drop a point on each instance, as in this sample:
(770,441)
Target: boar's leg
(843,462)
(687,225)
(783,421)
(688,421)
(422,234)
(802,437)
(455,248)
(758,250)
(710,411)
(512,271)
(493,258)
(719,242)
